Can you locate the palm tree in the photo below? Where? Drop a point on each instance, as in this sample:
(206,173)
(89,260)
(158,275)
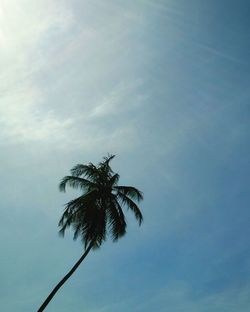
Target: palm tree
(98,211)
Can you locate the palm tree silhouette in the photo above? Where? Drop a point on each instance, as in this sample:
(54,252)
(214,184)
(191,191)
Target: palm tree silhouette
(98,211)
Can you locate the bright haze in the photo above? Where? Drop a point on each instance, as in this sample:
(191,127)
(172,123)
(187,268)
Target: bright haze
(163,85)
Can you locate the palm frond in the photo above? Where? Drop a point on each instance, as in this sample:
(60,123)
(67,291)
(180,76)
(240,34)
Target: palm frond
(116,220)
(90,171)
(86,218)
(92,226)
(75,182)
(130,191)
(125,200)
(73,209)
(106,160)
(114,179)
(104,167)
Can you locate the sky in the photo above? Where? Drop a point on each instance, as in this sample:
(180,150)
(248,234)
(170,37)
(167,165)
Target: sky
(163,85)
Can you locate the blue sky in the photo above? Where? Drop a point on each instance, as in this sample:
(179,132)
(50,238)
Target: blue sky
(164,85)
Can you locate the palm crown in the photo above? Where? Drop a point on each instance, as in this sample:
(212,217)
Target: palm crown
(98,210)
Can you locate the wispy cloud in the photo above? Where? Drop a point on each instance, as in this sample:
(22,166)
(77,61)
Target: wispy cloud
(218,53)
(23,32)
(21,120)
(122,98)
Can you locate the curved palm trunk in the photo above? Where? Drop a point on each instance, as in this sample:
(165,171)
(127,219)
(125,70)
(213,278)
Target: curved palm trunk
(64,279)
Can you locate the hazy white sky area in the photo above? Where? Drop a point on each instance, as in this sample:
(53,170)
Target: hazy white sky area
(163,85)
